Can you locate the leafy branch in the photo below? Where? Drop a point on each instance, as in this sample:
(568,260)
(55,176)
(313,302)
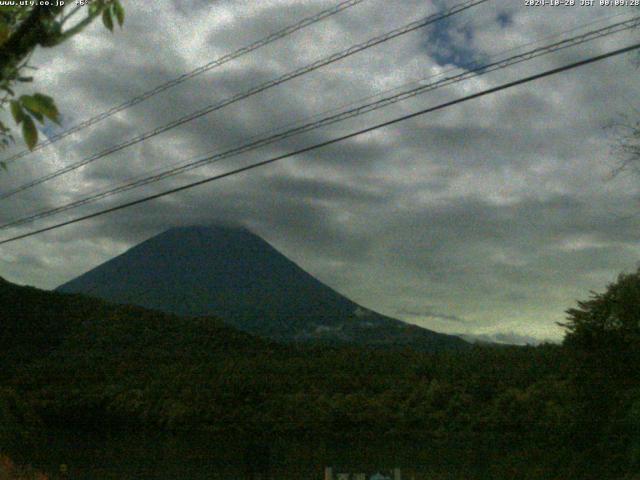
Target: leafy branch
(22,30)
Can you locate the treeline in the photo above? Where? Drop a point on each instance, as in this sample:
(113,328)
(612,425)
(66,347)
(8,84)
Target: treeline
(570,411)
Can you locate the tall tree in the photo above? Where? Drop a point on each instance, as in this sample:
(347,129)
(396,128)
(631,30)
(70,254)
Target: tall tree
(609,317)
(603,333)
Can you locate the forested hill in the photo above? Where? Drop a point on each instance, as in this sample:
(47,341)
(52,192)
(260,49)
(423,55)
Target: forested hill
(564,412)
(37,322)
(236,275)
(83,361)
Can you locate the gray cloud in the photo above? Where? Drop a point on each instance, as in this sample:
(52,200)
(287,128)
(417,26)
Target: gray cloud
(507,338)
(428,312)
(497,211)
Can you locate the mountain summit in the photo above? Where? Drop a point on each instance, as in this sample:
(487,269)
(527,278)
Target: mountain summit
(236,275)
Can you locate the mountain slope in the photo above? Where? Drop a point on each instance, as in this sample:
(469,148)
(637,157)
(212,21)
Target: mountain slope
(234,274)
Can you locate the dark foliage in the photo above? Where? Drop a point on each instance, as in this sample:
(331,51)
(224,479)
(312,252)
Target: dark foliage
(82,363)
(603,338)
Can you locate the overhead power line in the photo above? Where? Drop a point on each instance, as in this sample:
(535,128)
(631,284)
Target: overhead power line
(286,31)
(317,146)
(338,117)
(410,27)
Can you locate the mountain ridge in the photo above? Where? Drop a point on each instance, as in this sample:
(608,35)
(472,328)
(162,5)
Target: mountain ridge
(234,274)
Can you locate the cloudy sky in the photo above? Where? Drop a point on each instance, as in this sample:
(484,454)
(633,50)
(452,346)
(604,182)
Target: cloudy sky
(491,217)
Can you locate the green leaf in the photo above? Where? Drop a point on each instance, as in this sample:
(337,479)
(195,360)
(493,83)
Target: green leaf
(5,31)
(44,99)
(32,106)
(16,111)
(29,132)
(39,105)
(94,8)
(107,20)
(119,12)
(48,107)
(37,115)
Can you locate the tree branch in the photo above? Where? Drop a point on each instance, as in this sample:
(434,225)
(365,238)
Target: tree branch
(32,32)
(77,28)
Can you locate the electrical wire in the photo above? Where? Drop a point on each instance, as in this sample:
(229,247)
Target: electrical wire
(317,146)
(284,32)
(341,116)
(410,27)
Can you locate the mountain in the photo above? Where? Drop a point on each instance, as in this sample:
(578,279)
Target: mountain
(234,274)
